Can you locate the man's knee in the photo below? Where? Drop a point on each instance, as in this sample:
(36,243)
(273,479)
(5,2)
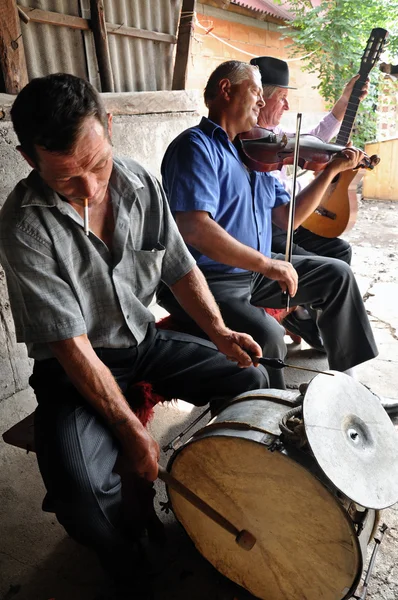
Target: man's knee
(269,334)
(258,378)
(344,251)
(338,274)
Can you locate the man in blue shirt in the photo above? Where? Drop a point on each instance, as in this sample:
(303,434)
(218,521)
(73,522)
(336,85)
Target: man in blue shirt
(224,212)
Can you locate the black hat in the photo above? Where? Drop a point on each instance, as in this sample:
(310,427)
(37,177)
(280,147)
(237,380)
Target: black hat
(273,71)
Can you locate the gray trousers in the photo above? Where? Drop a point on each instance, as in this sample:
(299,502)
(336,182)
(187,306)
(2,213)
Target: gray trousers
(76,450)
(326,284)
(305,242)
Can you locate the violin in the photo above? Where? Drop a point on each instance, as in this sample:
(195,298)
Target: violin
(263,150)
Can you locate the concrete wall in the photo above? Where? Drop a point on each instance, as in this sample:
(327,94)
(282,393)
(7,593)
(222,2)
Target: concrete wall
(144,124)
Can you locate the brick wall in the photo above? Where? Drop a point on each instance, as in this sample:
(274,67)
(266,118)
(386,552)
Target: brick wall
(255,38)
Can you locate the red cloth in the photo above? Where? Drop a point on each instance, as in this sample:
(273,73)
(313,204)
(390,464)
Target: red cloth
(143,400)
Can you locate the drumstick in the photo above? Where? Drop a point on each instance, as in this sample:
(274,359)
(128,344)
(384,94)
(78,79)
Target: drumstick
(278,363)
(243,538)
(86,225)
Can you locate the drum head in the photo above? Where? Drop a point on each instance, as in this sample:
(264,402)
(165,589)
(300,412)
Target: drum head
(306,546)
(353,439)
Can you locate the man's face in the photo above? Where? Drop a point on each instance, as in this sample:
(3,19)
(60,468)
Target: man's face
(85,171)
(272,111)
(246,100)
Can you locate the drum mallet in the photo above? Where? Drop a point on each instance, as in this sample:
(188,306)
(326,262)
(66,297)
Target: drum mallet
(278,363)
(243,538)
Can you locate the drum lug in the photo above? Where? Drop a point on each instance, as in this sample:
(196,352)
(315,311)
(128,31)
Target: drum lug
(276,445)
(364,593)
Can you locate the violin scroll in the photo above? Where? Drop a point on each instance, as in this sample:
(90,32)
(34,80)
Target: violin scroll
(368,162)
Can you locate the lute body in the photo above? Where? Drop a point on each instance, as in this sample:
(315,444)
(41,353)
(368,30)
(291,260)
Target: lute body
(337,211)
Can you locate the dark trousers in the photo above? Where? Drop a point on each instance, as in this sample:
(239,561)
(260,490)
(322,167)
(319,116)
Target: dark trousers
(76,451)
(307,243)
(326,284)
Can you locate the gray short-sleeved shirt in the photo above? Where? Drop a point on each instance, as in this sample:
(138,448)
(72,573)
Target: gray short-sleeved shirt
(64,284)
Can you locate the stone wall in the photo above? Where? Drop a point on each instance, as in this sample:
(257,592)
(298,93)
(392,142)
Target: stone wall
(144,124)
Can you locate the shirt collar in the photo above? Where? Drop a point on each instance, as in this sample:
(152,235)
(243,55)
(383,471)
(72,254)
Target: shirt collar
(212,129)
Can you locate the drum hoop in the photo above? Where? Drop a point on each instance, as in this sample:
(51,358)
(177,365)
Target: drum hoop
(296,399)
(235,425)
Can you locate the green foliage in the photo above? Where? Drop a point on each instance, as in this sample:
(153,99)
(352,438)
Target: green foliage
(334,36)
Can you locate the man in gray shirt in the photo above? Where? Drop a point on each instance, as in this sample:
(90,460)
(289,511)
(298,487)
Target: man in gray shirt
(80,289)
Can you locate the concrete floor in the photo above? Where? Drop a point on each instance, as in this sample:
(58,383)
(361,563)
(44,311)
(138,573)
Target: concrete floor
(39,562)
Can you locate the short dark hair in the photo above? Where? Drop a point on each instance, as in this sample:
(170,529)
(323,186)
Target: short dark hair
(50,110)
(234,70)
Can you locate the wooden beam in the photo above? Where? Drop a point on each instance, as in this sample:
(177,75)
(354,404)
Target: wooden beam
(12,55)
(98,27)
(185,32)
(156,36)
(23,16)
(53,18)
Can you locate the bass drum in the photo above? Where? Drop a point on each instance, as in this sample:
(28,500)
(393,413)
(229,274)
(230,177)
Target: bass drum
(310,539)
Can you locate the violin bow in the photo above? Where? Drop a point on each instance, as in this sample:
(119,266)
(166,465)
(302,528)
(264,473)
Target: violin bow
(292,207)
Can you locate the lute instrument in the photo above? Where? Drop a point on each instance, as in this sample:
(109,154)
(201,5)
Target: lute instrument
(338,208)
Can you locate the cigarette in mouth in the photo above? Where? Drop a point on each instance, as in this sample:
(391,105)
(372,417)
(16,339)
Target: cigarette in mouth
(86,225)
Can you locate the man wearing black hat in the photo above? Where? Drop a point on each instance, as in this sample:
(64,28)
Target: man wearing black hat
(275,81)
(224,212)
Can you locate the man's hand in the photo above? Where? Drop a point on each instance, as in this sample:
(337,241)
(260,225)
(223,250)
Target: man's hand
(284,273)
(346,160)
(350,86)
(237,346)
(141,453)
(340,107)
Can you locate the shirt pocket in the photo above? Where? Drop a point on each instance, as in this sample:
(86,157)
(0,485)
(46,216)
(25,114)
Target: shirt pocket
(148,269)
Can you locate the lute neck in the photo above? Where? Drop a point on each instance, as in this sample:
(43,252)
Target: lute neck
(351,111)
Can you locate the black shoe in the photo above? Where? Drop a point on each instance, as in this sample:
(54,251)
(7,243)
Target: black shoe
(305,328)
(390,405)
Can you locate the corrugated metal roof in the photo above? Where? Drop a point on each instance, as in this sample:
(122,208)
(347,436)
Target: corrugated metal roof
(50,49)
(137,64)
(267,7)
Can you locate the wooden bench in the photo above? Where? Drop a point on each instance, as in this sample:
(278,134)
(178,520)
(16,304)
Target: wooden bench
(21,435)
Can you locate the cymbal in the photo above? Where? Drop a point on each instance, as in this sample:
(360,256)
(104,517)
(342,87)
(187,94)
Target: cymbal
(353,439)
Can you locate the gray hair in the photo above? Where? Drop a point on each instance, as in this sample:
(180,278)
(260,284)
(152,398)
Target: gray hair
(269,90)
(234,70)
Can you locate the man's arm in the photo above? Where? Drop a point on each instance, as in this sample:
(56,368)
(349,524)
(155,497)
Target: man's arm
(200,231)
(329,126)
(96,383)
(308,199)
(194,295)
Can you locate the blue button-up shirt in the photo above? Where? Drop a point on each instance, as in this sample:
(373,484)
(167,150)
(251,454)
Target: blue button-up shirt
(202,171)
